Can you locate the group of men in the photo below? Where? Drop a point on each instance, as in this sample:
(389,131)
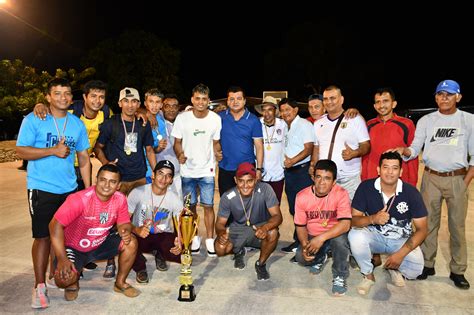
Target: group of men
(319,164)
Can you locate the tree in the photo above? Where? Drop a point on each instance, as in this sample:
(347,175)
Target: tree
(136,59)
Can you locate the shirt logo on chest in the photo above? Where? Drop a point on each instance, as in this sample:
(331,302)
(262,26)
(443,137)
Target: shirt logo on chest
(103,217)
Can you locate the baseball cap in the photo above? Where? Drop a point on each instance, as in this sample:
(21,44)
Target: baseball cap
(164,164)
(268,100)
(129,93)
(246,168)
(449,86)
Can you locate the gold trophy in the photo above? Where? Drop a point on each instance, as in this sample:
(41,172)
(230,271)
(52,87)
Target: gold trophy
(186,227)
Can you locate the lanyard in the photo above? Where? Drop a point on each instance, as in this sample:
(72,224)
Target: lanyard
(245,211)
(125,128)
(271,137)
(57,129)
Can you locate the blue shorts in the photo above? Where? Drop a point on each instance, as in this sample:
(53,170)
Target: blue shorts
(206,189)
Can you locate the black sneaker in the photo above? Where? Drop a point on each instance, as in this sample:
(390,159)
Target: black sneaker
(262,273)
(459,281)
(291,248)
(90,266)
(426,272)
(293,260)
(239,259)
(142,277)
(109,271)
(161,264)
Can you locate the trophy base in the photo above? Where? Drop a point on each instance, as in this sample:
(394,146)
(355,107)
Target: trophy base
(186,293)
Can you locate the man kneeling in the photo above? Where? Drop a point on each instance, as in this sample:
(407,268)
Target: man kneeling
(256,216)
(322,220)
(80,233)
(382,213)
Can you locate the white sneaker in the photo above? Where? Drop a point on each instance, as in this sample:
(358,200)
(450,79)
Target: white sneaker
(397,278)
(40,297)
(364,287)
(211,252)
(196,245)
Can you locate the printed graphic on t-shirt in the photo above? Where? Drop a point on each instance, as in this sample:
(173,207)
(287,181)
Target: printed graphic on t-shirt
(52,140)
(446,135)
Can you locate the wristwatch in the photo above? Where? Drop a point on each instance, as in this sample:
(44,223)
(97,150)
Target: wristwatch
(260,169)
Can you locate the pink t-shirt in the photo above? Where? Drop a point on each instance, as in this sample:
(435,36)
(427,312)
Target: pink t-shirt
(87,220)
(321,214)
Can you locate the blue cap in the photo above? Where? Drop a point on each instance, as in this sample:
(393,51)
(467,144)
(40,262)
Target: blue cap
(449,86)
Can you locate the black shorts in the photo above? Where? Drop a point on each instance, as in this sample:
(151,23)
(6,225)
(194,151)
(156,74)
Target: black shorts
(43,205)
(108,249)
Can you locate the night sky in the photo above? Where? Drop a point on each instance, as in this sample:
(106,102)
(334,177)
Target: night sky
(280,48)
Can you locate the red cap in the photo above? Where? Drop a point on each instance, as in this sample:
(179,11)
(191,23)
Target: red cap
(244,169)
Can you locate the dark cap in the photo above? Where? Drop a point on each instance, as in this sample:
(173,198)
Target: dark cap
(164,164)
(244,169)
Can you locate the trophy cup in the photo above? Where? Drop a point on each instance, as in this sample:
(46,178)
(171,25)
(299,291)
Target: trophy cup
(186,227)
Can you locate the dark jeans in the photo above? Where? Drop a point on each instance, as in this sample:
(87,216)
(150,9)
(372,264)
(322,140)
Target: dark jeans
(296,178)
(161,242)
(340,255)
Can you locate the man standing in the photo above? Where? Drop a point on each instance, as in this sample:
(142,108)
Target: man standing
(315,107)
(299,143)
(383,212)
(122,140)
(241,139)
(274,132)
(153,207)
(51,146)
(386,131)
(322,220)
(256,217)
(197,147)
(80,233)
(448,140)
(341,139)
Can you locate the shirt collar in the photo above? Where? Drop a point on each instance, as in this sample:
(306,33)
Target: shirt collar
(398,190)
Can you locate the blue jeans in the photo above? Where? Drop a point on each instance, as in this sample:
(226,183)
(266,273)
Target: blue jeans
(367,241)
(206,189)
(340,255)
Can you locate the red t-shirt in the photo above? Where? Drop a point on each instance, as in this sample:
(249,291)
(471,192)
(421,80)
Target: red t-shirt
(87,220)
(321,214)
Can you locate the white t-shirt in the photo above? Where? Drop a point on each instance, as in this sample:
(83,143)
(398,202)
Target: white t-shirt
(197,136)
(273,150)
(351,131)
(163,207)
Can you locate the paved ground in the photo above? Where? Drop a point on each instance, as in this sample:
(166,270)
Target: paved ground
(220,288)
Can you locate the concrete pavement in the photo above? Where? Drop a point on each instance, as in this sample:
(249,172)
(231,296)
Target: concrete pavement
(221,288)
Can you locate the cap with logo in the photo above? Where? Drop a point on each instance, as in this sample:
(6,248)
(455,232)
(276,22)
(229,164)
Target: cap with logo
(268,100)
(164,164)
(449,86)
(246,168)
(130,93)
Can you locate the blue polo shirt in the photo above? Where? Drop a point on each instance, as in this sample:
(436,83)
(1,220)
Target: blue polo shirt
(237,139)
(407,205)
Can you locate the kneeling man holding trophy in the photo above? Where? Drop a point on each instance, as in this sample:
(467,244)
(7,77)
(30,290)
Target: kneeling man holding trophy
(256,216)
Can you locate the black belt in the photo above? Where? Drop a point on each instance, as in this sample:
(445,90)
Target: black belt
(296,167)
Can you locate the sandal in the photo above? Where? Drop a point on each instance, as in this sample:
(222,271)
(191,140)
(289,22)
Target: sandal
(128,291)
(71,293)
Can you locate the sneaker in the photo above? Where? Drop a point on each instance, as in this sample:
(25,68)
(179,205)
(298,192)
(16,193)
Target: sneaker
(109,271)
(293,260)
(317,268)
(339,287)
(397,278)
(459,281)
(262,273)
(353,263)
(290,248)
(142,276)
(426,272)
(40,297)
(50,283)
(210,247)
(90,266)
(196,245)
(239,259)
(160,262)
(364,287)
